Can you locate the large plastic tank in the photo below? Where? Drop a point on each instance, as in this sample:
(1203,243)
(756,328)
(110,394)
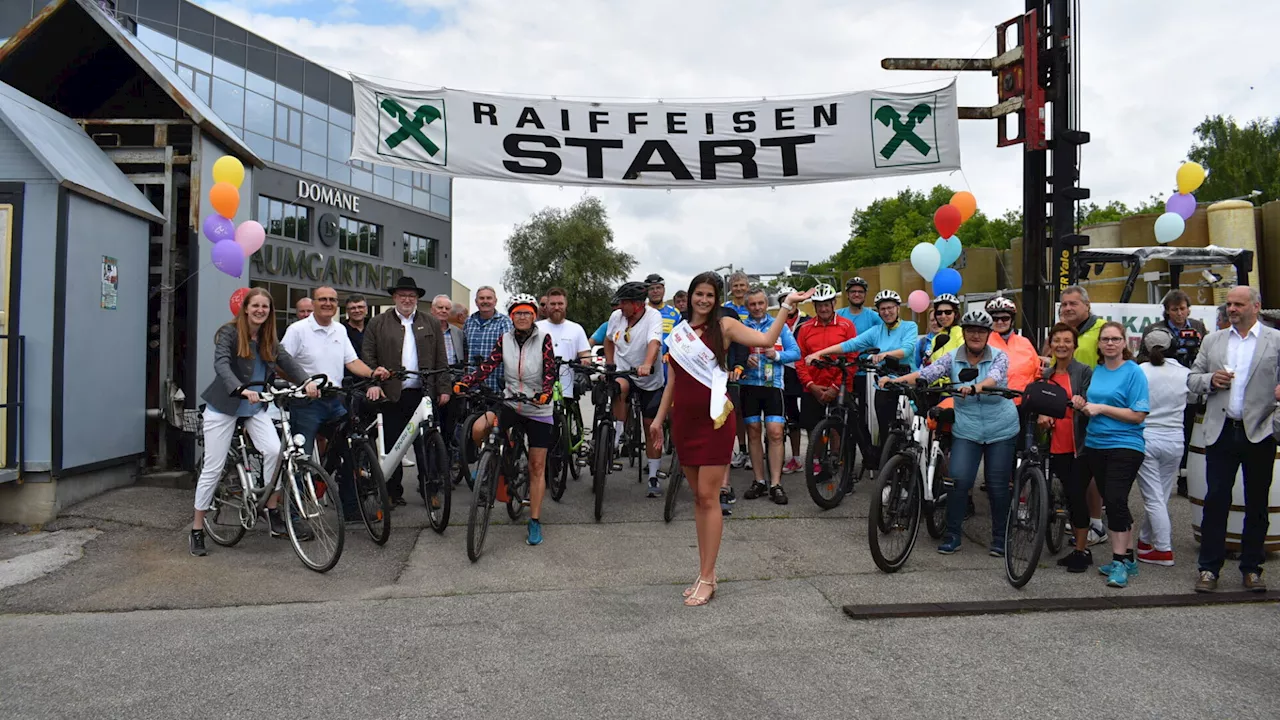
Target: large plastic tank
(1269,283)
(1107,286)
(1231,224)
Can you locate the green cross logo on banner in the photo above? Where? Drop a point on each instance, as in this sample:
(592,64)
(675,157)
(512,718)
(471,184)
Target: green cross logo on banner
(419,134)
(904,131)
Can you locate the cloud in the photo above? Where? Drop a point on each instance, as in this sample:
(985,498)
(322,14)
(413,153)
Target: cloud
(1147,79)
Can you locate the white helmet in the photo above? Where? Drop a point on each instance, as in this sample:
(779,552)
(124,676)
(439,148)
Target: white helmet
(946,298)
(823,293)
(976,318)
(522,299)
(884,295)
(1001,303)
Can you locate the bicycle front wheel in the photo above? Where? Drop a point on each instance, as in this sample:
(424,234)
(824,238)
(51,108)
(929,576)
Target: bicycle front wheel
(603,442)
(371,492)
(1025,526)
(894,518)
(822,463)
(314,500)
(675,479)
(437,490)
(486,483)
(558,457)
(224,520)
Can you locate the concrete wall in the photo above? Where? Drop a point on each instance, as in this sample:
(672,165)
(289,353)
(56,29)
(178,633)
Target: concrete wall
(105,369)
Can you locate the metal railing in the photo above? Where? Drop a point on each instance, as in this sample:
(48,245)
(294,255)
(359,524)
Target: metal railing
(17,364)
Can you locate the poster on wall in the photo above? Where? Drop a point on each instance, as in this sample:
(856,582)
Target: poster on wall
(110,282)
(657,144)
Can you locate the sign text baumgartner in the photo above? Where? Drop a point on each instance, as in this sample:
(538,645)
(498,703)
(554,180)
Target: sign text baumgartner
(657,144)
(328,195)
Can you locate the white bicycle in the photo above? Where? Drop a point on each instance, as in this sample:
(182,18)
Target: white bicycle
(433,474)
(314,505)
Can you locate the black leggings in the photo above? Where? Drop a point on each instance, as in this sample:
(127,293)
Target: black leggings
(1070,472)
(1114,470)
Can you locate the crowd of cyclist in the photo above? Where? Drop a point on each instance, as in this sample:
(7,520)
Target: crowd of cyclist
(1125,422)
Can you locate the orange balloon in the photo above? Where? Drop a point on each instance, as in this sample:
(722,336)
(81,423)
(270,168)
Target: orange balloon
(966,203)
(225,199)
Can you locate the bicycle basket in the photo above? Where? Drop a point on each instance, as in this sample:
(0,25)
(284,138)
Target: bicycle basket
(1045,398)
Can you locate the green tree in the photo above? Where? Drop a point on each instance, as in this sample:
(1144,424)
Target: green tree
(573,249)
(1115,210)
(1238,159)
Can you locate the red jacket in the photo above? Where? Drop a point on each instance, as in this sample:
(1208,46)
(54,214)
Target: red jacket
(815,335)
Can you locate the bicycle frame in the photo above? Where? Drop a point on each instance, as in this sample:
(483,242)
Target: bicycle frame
(423,416)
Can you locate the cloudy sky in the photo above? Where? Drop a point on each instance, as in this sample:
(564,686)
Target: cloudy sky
(1150,72)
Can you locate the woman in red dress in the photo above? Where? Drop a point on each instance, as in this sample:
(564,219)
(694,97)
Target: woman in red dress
(703,446)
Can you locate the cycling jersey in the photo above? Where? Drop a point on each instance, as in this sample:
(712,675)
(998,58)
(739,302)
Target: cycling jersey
(740,309)
(901,336)
(816,335)
(597,337)
(769,373)
(670,318)
(955,338)
(863,321)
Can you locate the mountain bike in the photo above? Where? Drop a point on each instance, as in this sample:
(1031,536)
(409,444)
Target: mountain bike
(502,471)
(314,504)
(351,446)
(566,434)
(603,394)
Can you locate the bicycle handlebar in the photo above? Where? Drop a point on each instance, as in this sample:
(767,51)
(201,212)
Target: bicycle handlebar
(279,388)
(483,392)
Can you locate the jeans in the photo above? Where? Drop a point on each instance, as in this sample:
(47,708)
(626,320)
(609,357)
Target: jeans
(1156,479)
(1222,461)
(1115,469)
(997,459)
(306,418)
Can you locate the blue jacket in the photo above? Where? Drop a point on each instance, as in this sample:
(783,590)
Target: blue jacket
(983,419)
(790,353)
(902,337)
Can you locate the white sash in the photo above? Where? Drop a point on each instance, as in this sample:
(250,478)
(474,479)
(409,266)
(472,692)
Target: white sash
(695,358)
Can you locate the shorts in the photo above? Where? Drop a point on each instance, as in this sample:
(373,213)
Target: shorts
(536,432)
(792,405)
(811,411)
(758,400)
(650,401)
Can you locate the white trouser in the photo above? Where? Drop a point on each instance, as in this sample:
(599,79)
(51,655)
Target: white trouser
(1156,480)
(218,430)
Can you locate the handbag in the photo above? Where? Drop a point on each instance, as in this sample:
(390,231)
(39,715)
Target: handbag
(1046,398)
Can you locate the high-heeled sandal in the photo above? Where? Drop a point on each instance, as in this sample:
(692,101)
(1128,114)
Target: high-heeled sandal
(692,588)
(694,601)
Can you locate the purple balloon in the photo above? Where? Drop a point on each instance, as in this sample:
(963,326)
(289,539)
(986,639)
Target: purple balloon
(229,258)
(1181,204)
(218,228)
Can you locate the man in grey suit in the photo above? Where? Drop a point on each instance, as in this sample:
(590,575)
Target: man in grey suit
(455,346)
(1237,369)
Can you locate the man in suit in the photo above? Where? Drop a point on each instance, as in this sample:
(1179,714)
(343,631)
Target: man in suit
(1237,369)
(385,346)
(455,350)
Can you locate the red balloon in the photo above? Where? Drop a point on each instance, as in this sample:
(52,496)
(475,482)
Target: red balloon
(237,300)
(947,220)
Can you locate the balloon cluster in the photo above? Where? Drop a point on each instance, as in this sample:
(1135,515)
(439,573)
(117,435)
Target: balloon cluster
(231,244)
(1180,205)
(933,260)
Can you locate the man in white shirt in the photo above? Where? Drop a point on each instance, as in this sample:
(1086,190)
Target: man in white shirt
(632,341)
(321,346)
(567,337)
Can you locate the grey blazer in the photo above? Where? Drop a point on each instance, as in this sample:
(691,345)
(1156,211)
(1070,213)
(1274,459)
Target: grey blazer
(1259,395)
(459,343)
(1079,374)
(232,371)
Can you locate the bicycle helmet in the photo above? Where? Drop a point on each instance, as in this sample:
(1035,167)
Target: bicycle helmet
(976,318)
(889,295)
(654,279)
(522,299)
(784,291)
(946,299)
(634,291)
(855,280)
(1001,303)
(823,293)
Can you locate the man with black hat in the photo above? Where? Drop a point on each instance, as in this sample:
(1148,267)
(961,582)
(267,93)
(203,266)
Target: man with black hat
(399,339)
(657,294)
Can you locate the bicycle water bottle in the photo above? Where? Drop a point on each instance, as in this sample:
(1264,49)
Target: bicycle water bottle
(768,370)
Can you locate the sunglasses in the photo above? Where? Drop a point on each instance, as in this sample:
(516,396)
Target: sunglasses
(944,312)
(1001,318)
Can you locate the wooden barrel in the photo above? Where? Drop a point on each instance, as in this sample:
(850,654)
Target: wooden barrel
(1197,488)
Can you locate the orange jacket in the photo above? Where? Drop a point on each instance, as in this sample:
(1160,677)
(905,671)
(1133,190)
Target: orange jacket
(1024,361)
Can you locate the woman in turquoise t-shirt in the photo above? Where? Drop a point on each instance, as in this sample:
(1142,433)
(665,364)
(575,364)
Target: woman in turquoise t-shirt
(1114,447)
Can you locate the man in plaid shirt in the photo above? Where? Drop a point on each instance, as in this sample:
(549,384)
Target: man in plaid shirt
(483,330)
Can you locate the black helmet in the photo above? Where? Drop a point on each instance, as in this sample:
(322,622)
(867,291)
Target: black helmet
(632,291)
(855,280)
(654,279)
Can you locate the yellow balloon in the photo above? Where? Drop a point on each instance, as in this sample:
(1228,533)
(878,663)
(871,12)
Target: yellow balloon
(228,170)
(1190,177)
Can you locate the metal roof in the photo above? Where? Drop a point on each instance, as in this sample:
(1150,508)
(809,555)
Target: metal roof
(71,156)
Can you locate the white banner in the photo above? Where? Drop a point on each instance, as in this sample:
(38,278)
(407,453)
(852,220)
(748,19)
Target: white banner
(657,144)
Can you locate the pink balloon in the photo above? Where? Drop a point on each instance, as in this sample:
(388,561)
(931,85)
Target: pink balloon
(918,301)
(228,258)
(250,236)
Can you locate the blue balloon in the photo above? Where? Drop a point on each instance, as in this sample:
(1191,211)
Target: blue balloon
(949,249)
(946,281)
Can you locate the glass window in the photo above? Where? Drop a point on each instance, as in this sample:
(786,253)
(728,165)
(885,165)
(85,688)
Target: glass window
(315,164)
(358,237)
(339,172)
(362,180)
(422,181)
(228,101)
(439,206)
(315,134)
(442,186)
(315,107)
(259,84)
(228,71)
(289,96)
(288,155)
(257,113)
(421,199)
(339,118)
(284,219)
(288,125)
(238,132)
(419,250)
(382,171)
(187,75)
(339,143)
(382,186)
(158,41)
(403,193)
(197,59)
(402,176)
(201,86)
(260,145)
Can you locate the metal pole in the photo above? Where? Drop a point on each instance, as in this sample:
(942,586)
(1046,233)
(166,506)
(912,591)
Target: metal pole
(1065,173)
(165,339)
(1035,313)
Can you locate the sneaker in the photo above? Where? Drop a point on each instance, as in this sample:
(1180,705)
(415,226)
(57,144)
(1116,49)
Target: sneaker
(817,469)
(996,549)
(1145,546)
(733,497)
(746,464)
(1078,561)
(791,467)
(196,543)
(655,488)
(1206,582)
(1130,566)
(1151,556)
(1118,577)
(757,489)
(276,524)
(535,532)
(407,461)
(739,459)
(726,509)
(950,546)
(778,495)
(1097,535)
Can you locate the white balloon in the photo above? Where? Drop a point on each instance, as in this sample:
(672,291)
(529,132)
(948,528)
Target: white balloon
(926,260)
(1169,227)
